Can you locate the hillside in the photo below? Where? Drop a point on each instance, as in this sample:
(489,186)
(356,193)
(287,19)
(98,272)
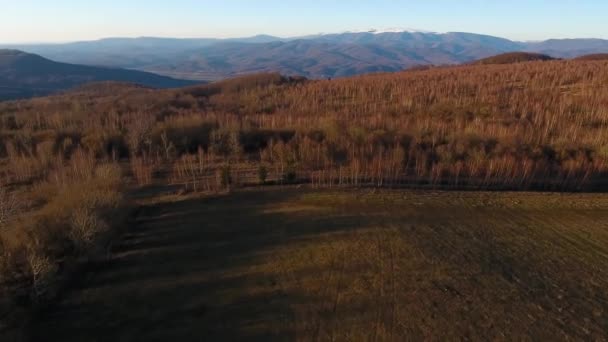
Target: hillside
(494,126)
(514,57)
(594,57)
(318,56)
(25,75)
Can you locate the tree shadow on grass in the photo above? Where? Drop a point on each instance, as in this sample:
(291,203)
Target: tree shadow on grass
(185,272)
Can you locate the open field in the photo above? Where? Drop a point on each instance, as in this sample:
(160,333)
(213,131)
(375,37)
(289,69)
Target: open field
(312,265)
(299,264)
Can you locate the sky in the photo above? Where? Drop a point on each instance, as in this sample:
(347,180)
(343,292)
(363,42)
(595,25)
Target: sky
(23,21)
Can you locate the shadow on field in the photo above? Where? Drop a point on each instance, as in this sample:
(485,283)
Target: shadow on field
(296,264)
(186,271)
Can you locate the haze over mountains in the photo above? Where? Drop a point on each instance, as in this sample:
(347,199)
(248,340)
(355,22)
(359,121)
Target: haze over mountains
(49,68)
(26,75)
(318,56)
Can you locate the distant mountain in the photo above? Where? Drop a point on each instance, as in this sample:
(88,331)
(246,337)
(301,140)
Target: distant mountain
(333,55)
(569,48)
(26,75)
(300,57)
(130,53)
(514,57)
(317,56)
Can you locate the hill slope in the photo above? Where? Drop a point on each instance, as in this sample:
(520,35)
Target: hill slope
(518,126)
(594,57)
(514,57)
(25,75)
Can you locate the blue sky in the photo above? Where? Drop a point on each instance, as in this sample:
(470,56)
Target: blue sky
(70,20)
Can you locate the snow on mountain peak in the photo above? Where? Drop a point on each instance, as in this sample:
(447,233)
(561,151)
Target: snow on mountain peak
(390,30)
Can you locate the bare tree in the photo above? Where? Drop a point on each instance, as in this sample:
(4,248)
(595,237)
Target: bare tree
(139,128)
(42,269)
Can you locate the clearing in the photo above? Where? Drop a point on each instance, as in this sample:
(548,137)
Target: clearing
(302,264)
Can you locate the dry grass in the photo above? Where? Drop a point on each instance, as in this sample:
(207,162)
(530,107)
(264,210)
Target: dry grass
(352,265)
(142,170)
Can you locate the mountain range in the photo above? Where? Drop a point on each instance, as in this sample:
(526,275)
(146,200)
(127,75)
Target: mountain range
(26,75)
(316,56)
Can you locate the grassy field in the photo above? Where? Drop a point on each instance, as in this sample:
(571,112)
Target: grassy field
(300,264)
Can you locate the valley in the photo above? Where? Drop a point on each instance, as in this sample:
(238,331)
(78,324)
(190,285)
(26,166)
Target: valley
(366,185)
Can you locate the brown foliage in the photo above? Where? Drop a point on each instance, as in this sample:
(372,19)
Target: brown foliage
(535,124)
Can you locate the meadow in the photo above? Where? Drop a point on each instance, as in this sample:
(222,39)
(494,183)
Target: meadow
(349,265)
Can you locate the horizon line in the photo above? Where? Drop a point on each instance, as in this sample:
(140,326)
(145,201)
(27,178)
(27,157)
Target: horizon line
(305,36)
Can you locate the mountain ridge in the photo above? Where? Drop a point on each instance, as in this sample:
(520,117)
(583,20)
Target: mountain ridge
(25,75)
(318,56)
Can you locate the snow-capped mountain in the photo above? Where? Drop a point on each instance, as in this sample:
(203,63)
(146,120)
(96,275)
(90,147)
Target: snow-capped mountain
(390,30)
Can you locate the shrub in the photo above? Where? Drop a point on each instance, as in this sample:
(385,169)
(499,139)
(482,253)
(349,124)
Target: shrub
(40,268)
(85,227)
(225,143)
(72,222)
(94,143)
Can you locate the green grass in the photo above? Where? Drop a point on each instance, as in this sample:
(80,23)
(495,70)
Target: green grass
(287,264)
